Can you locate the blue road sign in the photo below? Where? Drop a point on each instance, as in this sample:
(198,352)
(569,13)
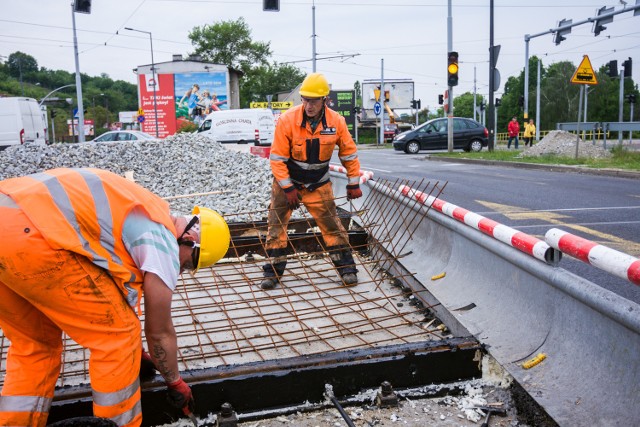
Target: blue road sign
(75,113)
(377,108)
(140,119)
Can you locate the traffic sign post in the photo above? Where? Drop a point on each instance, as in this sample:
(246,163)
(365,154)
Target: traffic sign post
(584,75)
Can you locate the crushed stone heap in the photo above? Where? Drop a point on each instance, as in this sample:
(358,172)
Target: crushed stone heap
(178,165)
(563,144)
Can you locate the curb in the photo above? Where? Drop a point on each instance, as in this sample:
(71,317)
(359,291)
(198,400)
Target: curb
(620,173)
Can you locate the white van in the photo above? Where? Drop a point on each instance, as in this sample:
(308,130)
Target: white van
(21,120)
(245,125)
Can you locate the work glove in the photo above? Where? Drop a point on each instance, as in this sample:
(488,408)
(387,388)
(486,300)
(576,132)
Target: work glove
(179,396)
(147,367)
(353,191)
(293,198)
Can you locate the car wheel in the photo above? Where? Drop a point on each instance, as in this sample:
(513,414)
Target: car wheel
(475,145)
(412,147)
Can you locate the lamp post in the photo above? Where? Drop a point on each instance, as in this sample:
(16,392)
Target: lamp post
(54,91)
(153,71)
(78,80)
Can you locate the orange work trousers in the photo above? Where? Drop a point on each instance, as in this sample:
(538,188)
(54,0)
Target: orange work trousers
(321,205)
(44,292)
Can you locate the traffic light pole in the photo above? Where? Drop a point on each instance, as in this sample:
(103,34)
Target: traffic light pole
(78,81)
(450,98)
(492,66)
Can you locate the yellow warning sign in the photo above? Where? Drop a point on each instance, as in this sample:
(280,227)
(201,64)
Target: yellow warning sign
(140,112)
(584,73)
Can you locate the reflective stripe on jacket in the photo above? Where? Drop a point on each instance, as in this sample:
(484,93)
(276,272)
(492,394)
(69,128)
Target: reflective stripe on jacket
(300,156)
(83,211)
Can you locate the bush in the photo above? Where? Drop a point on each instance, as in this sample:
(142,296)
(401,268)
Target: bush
(187,127)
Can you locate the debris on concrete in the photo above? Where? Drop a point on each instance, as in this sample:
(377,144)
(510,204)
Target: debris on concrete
(563,144)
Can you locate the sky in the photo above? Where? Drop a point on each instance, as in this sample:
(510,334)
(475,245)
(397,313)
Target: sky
(356,40)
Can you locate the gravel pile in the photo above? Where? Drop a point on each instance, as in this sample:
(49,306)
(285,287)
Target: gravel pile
(178,165)
(563,144)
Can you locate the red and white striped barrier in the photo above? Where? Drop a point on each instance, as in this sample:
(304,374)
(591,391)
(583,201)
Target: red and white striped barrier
(607,259)
(364,175)
(521,241)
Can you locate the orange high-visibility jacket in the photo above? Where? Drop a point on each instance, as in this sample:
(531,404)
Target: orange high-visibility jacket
(300,156)
(83,211)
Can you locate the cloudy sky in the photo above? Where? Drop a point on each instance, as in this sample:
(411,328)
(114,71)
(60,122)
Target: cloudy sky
(352,36)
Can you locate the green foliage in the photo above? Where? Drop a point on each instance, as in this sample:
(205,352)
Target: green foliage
(20,63)
(229,43)
(463,104)
(266,80)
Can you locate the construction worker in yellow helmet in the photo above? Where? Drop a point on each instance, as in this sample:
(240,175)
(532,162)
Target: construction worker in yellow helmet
(81,248)
(304,141)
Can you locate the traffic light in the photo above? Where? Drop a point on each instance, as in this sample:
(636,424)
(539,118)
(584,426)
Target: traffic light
(440,99)
(613,68)
(558,36)
(521,101)
(418,104)
(452,69)
(498,102)
(631,98)
(82,6)
(598,24)
(271,5)
(627,67)
(53,114)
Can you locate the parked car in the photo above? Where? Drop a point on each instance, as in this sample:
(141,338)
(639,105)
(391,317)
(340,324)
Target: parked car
(468,135)
(21,120)
(123,135)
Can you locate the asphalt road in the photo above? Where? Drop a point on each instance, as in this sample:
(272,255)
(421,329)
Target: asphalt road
(603,209)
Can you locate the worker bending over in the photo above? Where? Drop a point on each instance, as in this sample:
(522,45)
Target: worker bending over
(304,140)
(80,248)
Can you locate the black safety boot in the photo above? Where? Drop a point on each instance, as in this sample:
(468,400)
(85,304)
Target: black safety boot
(350,279)
(274,268)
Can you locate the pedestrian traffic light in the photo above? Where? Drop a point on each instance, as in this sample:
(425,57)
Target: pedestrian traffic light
(613,68)
(440,99)
(627,67)
(82,6)
(498,102)
(452,69)
(53,114)
(271,5)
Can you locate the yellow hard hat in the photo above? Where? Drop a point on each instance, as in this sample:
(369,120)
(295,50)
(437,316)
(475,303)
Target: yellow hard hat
(214,236)
(315,85)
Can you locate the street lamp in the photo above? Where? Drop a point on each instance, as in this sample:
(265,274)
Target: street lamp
(52,92)
(153,70)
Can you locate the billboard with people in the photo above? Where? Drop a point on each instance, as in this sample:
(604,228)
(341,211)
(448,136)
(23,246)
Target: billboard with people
(180,99)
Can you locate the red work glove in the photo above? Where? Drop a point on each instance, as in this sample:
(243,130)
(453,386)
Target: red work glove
(353,191)
(180,396)
(293,199)
(147,367)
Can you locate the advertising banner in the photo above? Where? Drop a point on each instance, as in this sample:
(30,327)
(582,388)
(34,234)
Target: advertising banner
(198,94)
(401,93)
(164,104)
(89,129)
(343,102)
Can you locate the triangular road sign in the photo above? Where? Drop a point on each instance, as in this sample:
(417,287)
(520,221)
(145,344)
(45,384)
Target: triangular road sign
(584,73)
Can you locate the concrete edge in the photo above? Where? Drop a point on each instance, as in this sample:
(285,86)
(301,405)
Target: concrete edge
(620,173)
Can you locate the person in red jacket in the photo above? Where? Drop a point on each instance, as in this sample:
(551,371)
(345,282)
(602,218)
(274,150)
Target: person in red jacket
(514,131)
(81,248)
(304,141)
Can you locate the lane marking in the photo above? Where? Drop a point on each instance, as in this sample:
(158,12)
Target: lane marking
(367,168)
(518,213)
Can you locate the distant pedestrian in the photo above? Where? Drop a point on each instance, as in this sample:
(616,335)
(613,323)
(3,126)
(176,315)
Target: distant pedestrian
(514,131)
(529,133)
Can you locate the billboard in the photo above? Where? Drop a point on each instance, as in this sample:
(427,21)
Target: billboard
(180,98)
(343,102)
(400,93)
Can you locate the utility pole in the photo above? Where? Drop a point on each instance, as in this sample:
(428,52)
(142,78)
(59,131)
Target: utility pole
(313,36)
(78,80)
(382,101)
(492,82)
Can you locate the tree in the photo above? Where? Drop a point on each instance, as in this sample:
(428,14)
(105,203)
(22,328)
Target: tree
(20,63)
(229,43)
(463,104)
(268,80)
(357,89)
